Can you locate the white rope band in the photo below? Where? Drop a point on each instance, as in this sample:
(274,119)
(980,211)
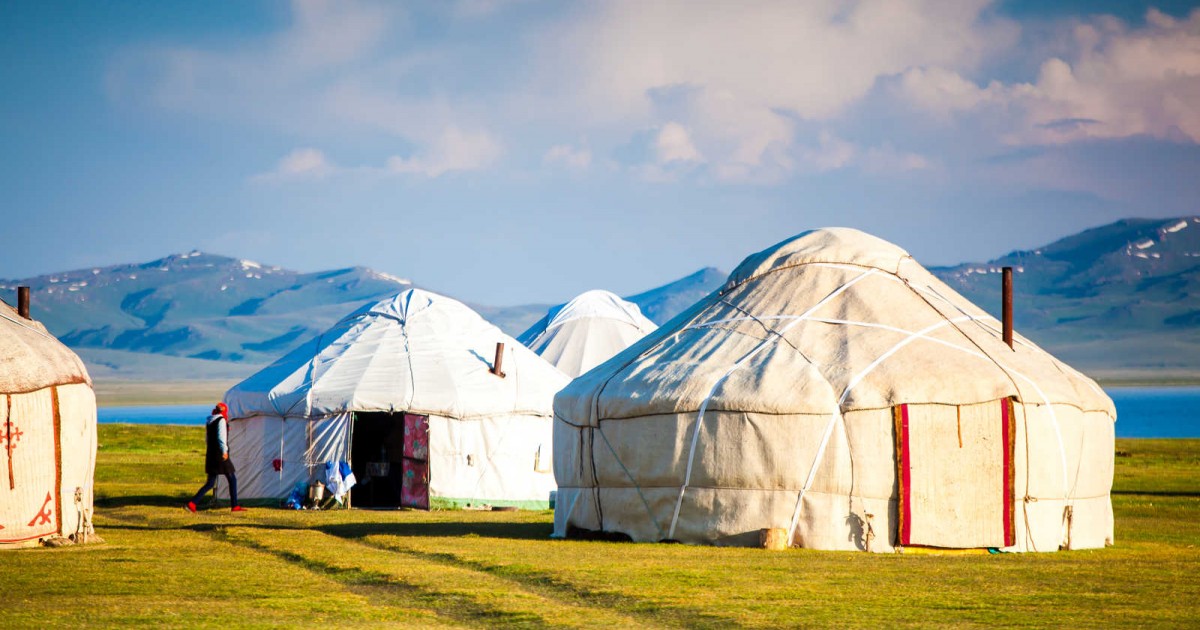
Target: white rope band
(687,477)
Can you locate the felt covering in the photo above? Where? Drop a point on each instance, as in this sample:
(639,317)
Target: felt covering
(587,331)
(770,404)
(47,436)
(417,353)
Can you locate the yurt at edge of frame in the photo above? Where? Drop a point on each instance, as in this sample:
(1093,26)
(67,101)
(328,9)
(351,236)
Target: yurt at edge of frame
(835,390)
(412,393)
(47,437)
(586,331)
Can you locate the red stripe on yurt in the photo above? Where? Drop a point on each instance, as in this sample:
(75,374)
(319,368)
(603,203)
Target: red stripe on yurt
(58,459)
(905,480)
(1010,536)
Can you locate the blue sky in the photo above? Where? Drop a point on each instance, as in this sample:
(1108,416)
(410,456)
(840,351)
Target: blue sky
(509,151)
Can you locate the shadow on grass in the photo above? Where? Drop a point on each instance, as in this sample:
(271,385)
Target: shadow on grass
(179,500)
(202,528)
(1157,493)
(515,531)
(148,500)
(519,531)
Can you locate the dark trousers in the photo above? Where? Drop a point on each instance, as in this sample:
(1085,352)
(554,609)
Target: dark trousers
(212,482)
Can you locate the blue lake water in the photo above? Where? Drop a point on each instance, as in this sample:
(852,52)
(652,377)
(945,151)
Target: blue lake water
(1162,412)
(155,414)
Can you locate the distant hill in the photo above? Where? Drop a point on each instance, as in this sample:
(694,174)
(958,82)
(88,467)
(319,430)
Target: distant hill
(200,315)
(198,306)
(667,301)
(1124,296)
(1119,299)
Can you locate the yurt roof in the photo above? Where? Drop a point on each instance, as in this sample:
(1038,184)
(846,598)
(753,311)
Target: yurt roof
(31,358)
(830,320)
(417,352)
(586,331)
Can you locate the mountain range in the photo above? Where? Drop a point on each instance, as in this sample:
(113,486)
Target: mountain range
(201,315)
(1123,298)
(1120,298)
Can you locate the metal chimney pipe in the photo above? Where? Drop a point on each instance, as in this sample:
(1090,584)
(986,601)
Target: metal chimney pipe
(23,302)
(499,361)
(1006,305)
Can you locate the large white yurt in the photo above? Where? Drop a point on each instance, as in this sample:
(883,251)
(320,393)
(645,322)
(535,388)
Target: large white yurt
(585,332)
(837,390)
(405,392)
(47,437)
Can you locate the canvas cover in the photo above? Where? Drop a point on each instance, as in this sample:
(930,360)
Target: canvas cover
(772,403)
(47,436)
(417,353)
(587,331)
(32,359)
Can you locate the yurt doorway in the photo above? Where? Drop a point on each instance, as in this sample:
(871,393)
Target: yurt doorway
(389,453)
(955,475)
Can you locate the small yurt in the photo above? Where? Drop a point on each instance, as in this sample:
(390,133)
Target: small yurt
(836,393)
(47,437)
(587,331)
(422,399)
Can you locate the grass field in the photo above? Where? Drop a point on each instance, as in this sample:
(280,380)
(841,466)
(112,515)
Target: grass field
(162,565)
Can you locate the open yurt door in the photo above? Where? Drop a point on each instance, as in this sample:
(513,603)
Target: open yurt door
(390,458)
(414,488)
(955,475)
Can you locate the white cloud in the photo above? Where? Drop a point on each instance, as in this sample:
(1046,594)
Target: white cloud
(475,9)
(569,157)
(812,58)
(454,150)
(733,94)
(674,144)
(738,79)
(944,92)
(305,163)
(1114,81)
(1128,81)
(831,153)
(335,72)
(887,159)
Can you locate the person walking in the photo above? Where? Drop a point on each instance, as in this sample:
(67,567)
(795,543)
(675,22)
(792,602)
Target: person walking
(216,458)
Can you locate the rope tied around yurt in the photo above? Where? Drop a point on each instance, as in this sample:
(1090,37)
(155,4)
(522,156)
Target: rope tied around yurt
(738,365)
(645,502)
(958,410)
(1068,491)
(8,442)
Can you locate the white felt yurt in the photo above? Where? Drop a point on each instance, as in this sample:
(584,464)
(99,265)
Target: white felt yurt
(836,390)
(47,437)
(404,392)
(587,331)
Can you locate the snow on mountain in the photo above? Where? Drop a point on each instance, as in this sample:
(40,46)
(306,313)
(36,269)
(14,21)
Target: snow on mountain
(1125,294)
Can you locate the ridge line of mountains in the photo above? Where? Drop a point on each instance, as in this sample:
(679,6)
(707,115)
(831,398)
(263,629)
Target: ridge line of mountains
(1121,299)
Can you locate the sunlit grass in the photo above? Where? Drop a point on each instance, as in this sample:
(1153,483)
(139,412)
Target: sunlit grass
(271,567)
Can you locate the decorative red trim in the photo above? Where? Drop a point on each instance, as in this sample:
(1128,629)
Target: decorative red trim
(58,458)
(905,480)
(1006,424)
(5,541)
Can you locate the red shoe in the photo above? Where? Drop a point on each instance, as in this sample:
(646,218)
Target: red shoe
(191,507)
(237,508)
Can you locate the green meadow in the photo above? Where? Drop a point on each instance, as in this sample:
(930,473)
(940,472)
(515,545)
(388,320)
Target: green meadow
(161,565)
